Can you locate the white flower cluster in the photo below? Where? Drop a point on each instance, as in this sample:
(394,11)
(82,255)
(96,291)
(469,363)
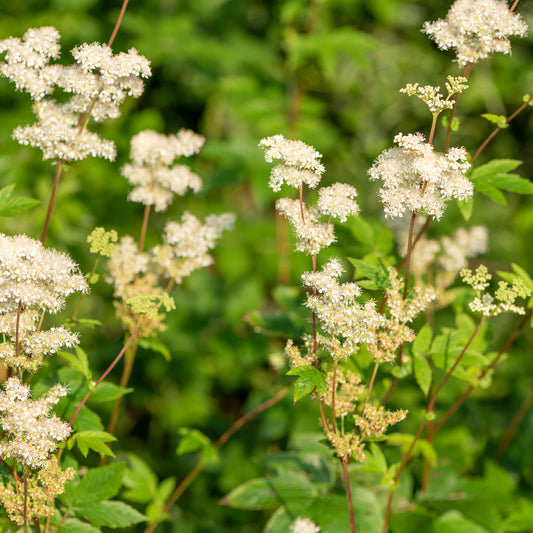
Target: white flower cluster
(301,165)
(154,178)
(300,162)
(187,244)
(99,82)
(33,279)
(337,308)
(34,276)
(33,433)
(476,29)
(415,177)
(304,525)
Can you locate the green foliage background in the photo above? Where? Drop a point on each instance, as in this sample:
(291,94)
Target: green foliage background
(327,72)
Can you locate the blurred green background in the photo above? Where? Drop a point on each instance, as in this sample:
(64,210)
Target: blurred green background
(327,72)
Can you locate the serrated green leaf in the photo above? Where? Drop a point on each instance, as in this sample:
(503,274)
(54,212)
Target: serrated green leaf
(81,364)
(455,522)
(309,379)
(155,345)
(494,167)
(422,343)
(378,275)
(110,513)
(96,485)
(512,183)
(486,188)
(72,525)
(93,440)
(423,374)
(375,461)
(140,480)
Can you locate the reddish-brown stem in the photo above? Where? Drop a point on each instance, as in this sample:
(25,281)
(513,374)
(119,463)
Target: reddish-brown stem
(513,7)
(498,129)
(182,487)
(25,480)
(433,127)
(144,227)
(302,202)
(371,384)
(430,407)
(408,256)
(60,165)
(452,111)
(333,391)
(346,476)
(118,23)
(102,377)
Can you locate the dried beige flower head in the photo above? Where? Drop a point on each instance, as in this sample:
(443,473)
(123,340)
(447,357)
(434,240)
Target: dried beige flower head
(154,178)
(476,29)
(37,500)
(415,177)
(32,432)
(300,162)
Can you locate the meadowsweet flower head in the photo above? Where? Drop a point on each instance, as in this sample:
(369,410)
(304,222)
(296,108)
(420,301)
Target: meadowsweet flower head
(304,525)
(27,60)
(312,235)
(58,135)
(155,181)
(476,29)
(416,178)
(376,420)
(463,245)
(186,245)
(32,432)
(300,162)
(34,276)
(337,201)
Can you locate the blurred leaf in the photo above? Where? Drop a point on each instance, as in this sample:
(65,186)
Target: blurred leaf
(254,494)
(377,275)
(422,343)
(499,120)
(78,361)
(140,480)
(108,392)
(455,522)
(10,206)
(155,345)
(423,374)
(193,440)
(72,525)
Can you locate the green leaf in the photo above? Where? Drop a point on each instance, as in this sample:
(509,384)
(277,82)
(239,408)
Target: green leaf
(423,374)
(494,167)
(71,525)
(92,440)
(466,207)
(455,522)
(512,183)
(422,343)
(193,440)
(375,461)
(110,513)
(254,495)
(108,392)
(499,120)
(78,361)
(421,447)
(362,231)
(155,345)
(140,480)
(377,275)
(96,485)
(309,379)
(89,322)
(489,190)
(10,206)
